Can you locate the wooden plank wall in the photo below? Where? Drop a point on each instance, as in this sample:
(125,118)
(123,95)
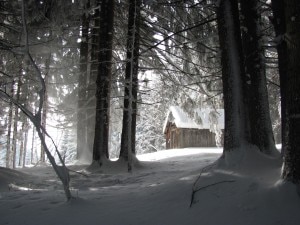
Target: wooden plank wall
(183,138)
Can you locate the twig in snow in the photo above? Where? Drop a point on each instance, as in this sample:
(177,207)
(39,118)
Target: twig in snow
(196,181)
(209,185)
(202,170)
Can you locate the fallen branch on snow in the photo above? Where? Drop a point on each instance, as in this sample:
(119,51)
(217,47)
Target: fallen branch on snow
(195,189)
(201,188)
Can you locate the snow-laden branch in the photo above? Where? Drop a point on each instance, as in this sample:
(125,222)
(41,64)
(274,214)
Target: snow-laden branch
(178,32)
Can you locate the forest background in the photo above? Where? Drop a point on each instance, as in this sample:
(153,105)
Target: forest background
(72,69)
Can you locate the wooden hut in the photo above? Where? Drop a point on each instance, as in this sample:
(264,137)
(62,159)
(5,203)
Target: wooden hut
(205,129)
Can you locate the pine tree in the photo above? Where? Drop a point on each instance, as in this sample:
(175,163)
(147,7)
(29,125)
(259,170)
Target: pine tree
(237,131)
(258,104)
(100,148)
(291,93)
(128,139)
(82,127)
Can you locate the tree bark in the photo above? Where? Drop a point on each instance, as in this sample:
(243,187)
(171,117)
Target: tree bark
(100,148)
(25,141)
(258,102)
(16,121)
(22,147)
(32,147)
(236,127)
(9,125)
(45,103)
(91,90)
(131,82)
(291,93)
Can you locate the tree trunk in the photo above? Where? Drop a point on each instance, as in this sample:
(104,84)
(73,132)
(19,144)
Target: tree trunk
(15,137)
(233,75)
(259,112)
(82,88)
(45,104)
(25,125)
(131,82)
(21,156)
(9,125)
(15,125)
(100,148)
(32,146)
(91,90)
(291,168)
(25,142)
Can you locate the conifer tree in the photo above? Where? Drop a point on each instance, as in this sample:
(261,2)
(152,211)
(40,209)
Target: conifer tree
(258,104)
(131,82)
(291,93)
(100,147)
(237,132)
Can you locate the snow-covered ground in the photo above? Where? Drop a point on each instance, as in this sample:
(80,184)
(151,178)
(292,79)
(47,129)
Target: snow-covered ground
(157,192)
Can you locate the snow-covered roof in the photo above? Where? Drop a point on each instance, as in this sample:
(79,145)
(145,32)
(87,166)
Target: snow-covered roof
(202,118)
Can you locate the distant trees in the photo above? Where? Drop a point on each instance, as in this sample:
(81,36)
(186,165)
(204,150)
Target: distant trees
(23,53)
(43,38)
(170,48)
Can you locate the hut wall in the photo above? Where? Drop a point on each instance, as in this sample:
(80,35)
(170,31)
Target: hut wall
(196,138)
(186,137)
(172,136)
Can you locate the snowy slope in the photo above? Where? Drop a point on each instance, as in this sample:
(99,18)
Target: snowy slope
(158,192)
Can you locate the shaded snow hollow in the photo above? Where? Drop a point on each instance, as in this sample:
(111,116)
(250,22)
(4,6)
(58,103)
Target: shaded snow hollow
(157,192)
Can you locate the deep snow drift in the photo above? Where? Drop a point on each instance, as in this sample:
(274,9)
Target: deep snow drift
(157,192)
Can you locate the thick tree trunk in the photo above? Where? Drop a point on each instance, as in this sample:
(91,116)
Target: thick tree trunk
(259,113)
(91,90)
(233,75)
(100,148)
(291,168)
(131,82)
(82,89)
